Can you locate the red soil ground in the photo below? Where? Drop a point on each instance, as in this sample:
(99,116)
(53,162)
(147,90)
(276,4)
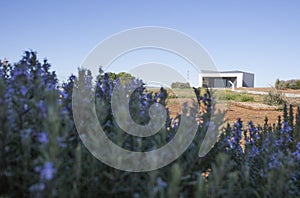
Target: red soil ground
(233,112)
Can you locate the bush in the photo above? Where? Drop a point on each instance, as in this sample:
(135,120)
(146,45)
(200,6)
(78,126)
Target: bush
(180,85)
(275,98)
(246,98)
(296,85)
(238,97)
(290,84)
(43,156)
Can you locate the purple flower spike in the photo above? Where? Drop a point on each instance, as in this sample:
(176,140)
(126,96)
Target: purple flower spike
(43,138)
(297,152)
(61,142)
(37,187)
(23,90)
(48,171)
(161,183)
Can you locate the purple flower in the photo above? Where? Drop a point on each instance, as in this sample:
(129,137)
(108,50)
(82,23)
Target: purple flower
(254,151)
(63,94)
(23,90)
(286,127)
(266,143)
(170,136)
(116,81)
(298,146)
(144,102)
(18,72)
(149,96)
(9,92)
(48,171)
(41,107)
(25,107)
(61,142)
(274,163)
(64,111)
(161,183)
(43,138)
(37,187)
(103,88)
(142,113)
(232,143)
(238,124)
(253,133)
(285,135)
(25,133)
(110,89)
(175,125)
(297,152)
(40,104)
(156,96)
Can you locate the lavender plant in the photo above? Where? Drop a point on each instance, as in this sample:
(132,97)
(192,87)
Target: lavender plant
(43,156)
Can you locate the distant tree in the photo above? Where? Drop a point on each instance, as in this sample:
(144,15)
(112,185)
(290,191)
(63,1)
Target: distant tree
(289,84)
(277,84)
(296,85)
(286,85)
(112,76)
(180,85)
(125,77)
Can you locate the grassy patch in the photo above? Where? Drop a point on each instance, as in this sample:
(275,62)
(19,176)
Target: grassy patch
(238,97)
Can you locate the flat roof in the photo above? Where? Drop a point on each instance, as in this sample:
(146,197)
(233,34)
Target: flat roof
(224,72)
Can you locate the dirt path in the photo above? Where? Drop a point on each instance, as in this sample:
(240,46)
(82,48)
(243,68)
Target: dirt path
(267,89)
(289,95)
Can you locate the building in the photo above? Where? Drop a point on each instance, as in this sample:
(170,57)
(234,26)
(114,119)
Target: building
(226,79)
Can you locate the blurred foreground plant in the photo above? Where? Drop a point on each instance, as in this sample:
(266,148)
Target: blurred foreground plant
(43,156)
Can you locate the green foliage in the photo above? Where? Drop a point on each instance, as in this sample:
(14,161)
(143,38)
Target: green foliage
(124,77)
(238,97)
(296,85)
(180,85)
(246,98)
(43,156)
(290,84)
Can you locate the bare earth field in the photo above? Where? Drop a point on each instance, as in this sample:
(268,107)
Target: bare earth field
(233,112)
(254,111)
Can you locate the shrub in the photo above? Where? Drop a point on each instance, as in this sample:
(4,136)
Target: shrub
(180,85)
(238,97)
(43,156)
(296,85)
(274,97)
(246,98)
(289,84)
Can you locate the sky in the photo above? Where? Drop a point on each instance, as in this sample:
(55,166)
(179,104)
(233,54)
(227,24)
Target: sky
(261,37)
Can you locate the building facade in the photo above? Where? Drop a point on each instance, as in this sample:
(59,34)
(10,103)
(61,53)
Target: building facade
(226,79)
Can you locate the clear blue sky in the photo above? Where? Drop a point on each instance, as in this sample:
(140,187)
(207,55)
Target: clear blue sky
(262,37)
